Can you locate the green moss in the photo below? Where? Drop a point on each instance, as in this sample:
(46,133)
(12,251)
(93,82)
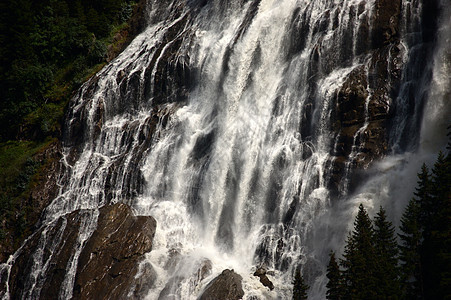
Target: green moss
(16,161)
(17,167)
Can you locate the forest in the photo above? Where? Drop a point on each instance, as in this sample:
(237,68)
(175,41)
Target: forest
(48,48)
(415,263)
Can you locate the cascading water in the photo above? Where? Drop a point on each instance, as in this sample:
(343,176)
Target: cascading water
(240,126)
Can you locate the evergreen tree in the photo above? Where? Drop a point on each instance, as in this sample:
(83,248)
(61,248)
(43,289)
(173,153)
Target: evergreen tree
(436,258)
(411,238)
(386,248)
(440,191)
(444,234)
(334,275)
(423,197)
(426,235)
(299,286)
(359,261)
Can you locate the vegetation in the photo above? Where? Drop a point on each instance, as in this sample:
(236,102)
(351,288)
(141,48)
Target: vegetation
(18,169)
(359,262)
(374,266)
(48,48)
(299,286)
(335,285)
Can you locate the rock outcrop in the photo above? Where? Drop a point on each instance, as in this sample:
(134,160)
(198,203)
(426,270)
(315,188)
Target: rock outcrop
(261,273)
(227,286)
(107,263)
(363,105)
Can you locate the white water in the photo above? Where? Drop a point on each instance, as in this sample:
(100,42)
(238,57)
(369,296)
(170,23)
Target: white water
(237,176)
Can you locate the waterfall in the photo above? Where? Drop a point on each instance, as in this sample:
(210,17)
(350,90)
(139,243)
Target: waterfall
(251,130)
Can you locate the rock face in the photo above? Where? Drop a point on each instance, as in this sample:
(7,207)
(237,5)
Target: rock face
(107,264)
(364,103)
(227,286)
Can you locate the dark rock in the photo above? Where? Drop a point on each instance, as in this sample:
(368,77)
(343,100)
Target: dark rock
(261,273)
(298,33)
(204,270)
(362,112)
(266,282)
(63,233)
(385,23)
(169,292)
(144,282)
(107,265)
(227,286)
(109,261)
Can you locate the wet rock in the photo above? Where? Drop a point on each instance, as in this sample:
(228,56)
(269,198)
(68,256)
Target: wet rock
(204,270)
(227,286)
(261,273)
(63,232)
(108,263)
(172,288)
(144,281)
(385,22)
(169,292)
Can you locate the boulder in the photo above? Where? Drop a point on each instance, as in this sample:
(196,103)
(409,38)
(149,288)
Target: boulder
(261,273)
(227,286)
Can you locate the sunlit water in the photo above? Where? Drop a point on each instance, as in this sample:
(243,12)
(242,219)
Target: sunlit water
(234,174)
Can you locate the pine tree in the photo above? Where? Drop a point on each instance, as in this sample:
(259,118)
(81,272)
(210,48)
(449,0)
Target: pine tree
(299,286)
(440,191)
(334,275)
(411,238)
(359,260)
(423,197)
(386,247)
(436,258)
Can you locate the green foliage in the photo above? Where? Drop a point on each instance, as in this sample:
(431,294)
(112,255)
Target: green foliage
(299,287)
(48,48)
(386,248)
(426,235)
(17,169)
(436,225)
(39,42)
(359,260)
(423,196)
(334,285)
(411,238)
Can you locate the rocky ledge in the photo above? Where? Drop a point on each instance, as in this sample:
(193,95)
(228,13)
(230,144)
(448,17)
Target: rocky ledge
(227,286)
(107,264)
